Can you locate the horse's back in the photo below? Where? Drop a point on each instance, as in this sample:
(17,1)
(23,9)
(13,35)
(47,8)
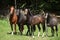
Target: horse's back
(35,19)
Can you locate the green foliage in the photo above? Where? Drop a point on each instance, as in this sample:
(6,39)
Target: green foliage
(51,5)
(43,4)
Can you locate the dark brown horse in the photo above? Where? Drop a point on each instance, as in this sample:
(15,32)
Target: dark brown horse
(22,19)
(36,20)
(52,21)
(13,19)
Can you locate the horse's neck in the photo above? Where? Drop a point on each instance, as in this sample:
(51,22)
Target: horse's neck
(30,14)
(13,14)
(48,16)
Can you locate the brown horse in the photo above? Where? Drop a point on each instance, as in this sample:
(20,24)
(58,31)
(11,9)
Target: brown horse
(36,20)
(13,19)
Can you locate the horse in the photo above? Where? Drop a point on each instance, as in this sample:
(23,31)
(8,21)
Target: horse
(52,22)
(13,19)
(22,20)
(36,20)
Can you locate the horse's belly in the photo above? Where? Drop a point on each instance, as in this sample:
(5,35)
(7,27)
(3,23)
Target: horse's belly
(35,21)
(53,22)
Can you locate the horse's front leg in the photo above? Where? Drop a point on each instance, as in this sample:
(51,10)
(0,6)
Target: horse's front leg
(44,29)
(56,30)
(39,29)
(28,31)
(15,29)
(32,31)
(52,30)
(21,29)
(11,28)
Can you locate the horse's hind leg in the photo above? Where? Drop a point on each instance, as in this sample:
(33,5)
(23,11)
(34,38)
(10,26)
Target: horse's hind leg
(43,26)
(11,28)
(34,28)
(52,30)
(21,29)
(32,31)
(56,30)
(39,29)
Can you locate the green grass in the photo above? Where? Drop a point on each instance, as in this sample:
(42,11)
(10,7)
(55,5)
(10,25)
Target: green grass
(5,28)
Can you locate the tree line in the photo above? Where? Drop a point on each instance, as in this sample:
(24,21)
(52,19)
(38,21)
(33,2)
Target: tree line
(50,5)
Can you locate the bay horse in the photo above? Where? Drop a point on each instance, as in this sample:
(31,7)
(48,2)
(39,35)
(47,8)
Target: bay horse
(13,19)
(52,22)
(36,20)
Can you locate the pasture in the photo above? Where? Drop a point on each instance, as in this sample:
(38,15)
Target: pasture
(5,29)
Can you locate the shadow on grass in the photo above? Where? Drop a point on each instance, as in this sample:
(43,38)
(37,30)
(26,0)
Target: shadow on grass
(17,33)
(50,36)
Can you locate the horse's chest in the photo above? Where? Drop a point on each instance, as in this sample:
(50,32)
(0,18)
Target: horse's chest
(13,19)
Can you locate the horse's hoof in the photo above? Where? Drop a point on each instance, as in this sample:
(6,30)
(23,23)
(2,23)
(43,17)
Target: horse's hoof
(26,34)
(15,33)
(56,34)
(38,34)
(30,34)
(33,36)
(9,33)
(21,33)
(52,35)
(12,33)
(46,35)
(43,35)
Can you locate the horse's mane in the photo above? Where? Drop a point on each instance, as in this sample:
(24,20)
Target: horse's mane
(29,13)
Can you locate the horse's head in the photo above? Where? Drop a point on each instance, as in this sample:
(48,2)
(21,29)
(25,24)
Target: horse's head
(24,11)
(51,15)
(42,12)
(46,15)
(12,9)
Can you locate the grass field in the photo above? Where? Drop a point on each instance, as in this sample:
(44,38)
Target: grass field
(5,28)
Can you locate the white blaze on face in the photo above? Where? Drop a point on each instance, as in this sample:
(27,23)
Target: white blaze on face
(21,11)
(26,10)
(12,8)
(46,15)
